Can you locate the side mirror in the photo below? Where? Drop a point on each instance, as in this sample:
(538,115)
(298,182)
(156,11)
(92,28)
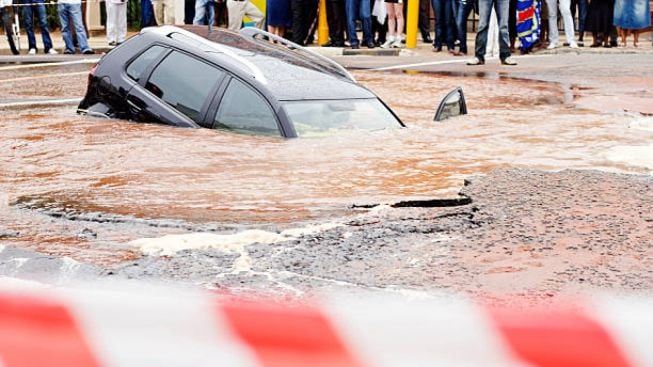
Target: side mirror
(452,105)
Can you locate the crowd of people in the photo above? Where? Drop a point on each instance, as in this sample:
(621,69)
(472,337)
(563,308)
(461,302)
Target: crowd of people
(500,22)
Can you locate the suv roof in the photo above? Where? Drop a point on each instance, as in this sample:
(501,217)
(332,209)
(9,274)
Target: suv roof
(287,70)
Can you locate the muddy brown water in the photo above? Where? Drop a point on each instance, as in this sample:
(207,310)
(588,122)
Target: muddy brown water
(53,159)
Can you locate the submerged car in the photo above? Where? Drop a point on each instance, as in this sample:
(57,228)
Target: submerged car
(250,81)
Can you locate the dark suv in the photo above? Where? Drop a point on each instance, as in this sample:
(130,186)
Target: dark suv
(249,81)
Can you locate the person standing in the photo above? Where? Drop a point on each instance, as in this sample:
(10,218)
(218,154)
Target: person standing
(581,5)
(528,24)
(424,21)
(37,7)
(395,10)
(565,11)
(204,13)
(71,11)
(485,10)
(359,9)
(147,14)
(238,9)
(164,11)
(302,17)
(116,22)
(631,15)
(599,22)
(337,20)
(463,8)
(444,25)
(279,16)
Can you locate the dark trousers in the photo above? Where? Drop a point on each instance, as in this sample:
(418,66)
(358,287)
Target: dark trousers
(485,10)
(444,23)
(147,14)
(337,21)
(463,8)
(424,22)
(303,12)
(582,14)
(37,7)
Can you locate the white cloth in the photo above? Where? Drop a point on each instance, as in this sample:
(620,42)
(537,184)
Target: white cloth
(69,1)
(164,11)
(380,11)
(238,9)
(4,3)
(492,48)
(116,21)
(565,11)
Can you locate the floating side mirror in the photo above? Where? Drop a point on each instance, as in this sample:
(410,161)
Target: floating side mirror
(452,105)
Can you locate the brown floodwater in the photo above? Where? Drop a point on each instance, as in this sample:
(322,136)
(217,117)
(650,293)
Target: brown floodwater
(52,158)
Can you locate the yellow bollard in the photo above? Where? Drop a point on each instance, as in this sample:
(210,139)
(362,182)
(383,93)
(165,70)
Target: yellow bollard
(322,25)
(411,23)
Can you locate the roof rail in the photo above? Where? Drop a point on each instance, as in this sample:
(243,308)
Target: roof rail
(253,32)
(168,31)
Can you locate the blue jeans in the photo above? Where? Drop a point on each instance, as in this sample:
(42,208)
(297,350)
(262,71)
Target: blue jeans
(201,7)
(147,14)
(444,23)
(39,8)
(485,10)
(463,8)
(74,12)
(582,14)
(359,9)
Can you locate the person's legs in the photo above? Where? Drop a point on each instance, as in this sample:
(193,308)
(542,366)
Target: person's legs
(352,13)
(438,8)
(200,12)
(366,18)
(169,11)
(236,10)
(157,7)
(582,14)
(552,5)
(449,24)
(112,19)
(76,15)
(624,37)
(29,26)
(424,23)
(565,11)
(336,20)
(484,10)
(635,37)
(464,8)
(392,22)
(502,8)
(64,15)
(42,18)
(121,22)
(399,13)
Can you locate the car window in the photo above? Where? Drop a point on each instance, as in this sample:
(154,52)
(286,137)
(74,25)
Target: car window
(184,83)
(242,109)
(138,66)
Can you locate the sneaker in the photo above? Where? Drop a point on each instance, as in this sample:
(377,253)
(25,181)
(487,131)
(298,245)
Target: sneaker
(551,46)
(573,45)
(388,43)
(88,52)
(397,43)
(68,52)
(508,61)
(113,43)
(32,51)
(476,61)
(52,51)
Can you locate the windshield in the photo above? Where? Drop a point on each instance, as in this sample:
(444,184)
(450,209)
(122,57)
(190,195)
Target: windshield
(324,117)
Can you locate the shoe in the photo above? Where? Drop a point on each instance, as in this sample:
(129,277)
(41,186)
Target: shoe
(476,61)
(88,52)
(370,44)
(398,43)
(437,49)
(52,51)
(594,45)
(508,61)
(460,53)
(551,46)
(388,43)
(32,51)
(573,45)
(68,52)
(112,43)
(427,39)
(355,47)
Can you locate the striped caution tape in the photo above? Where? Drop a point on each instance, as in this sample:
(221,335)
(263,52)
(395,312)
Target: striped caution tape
(179,328)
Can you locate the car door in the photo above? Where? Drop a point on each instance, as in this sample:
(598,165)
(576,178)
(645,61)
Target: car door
(176,91)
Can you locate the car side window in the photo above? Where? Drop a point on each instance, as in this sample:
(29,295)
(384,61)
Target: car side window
(140,64)
(184,83)
(242,109)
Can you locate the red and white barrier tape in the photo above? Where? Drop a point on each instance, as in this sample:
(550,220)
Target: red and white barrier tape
(102,328)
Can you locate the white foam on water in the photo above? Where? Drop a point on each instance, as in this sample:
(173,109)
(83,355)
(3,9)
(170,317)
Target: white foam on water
(642,123)
(638,155)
